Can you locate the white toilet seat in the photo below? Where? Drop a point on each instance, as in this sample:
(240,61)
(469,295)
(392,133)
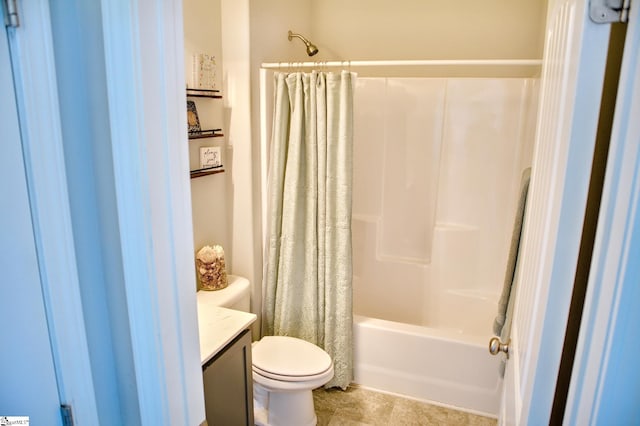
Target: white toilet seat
(289,359)
(289,386)
(288,363)
(287,378)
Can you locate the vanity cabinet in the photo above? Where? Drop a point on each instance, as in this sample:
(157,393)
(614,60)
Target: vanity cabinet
(228,384)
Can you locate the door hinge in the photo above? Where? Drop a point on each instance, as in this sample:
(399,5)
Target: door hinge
(609,11)
(67,415)
(11,14)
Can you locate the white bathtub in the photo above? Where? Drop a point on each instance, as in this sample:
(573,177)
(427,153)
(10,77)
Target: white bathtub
(422,330)
(439,366)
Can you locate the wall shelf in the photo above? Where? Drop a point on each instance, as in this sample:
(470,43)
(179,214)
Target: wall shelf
(205,172)
(204,93)
(202,134)
(213,133)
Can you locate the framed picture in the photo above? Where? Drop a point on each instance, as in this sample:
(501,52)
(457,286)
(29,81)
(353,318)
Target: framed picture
(193,122)
(210,157)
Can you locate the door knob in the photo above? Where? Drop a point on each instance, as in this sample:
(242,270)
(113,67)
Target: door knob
(496,346)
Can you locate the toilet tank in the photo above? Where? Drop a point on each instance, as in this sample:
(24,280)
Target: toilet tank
(235,296)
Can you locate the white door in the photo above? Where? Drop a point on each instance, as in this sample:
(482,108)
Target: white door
(27,376)
(573,70)
(605,376)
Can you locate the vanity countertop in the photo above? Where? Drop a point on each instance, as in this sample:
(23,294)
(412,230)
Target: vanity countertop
(218,327)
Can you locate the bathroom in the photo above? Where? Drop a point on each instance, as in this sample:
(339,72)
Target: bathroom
(412,31)
(105,240)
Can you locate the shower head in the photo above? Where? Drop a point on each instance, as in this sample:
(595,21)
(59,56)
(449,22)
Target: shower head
(311,48)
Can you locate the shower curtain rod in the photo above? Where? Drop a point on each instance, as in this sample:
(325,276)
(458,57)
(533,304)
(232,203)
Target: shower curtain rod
(427,62)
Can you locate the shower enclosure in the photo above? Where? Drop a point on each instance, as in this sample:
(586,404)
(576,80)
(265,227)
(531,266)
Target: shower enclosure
(437,164)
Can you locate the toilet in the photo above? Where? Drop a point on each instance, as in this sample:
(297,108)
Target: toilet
(285,369)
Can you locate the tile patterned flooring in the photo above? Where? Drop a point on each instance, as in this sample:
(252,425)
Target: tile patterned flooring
(361,407)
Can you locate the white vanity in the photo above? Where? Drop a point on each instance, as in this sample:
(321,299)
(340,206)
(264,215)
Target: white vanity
(225,353)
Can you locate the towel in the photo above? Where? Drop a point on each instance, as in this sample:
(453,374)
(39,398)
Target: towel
(503,303)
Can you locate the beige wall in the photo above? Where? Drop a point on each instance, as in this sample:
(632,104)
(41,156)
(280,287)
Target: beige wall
(427,29)
(270,21)
(249,32)
(399,29)
(237,104)
(210,209)
(268,24)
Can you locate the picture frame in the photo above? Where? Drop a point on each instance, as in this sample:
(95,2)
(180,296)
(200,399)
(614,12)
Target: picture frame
(193,122)
(210,157)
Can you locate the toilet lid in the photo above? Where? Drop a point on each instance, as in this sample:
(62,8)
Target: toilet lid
(289,356)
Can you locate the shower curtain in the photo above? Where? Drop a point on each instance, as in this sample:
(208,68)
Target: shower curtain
(308,272)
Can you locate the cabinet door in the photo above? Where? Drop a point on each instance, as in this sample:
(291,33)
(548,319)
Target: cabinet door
(228,385)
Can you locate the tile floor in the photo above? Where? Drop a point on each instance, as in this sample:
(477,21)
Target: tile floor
(361,407)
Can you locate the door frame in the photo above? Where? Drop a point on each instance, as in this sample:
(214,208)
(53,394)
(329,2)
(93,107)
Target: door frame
(571,90)
(596,390)
(145,82)
(31,51)
(144,75)
(613,271)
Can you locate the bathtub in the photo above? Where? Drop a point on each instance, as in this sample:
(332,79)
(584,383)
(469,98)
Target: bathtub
(422,330)
(445,367)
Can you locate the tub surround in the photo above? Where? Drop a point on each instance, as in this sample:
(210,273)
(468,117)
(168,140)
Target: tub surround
(218,326)
(425,201)
(432,228)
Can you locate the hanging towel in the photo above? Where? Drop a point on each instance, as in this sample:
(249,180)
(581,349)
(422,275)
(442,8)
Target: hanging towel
(503,303)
